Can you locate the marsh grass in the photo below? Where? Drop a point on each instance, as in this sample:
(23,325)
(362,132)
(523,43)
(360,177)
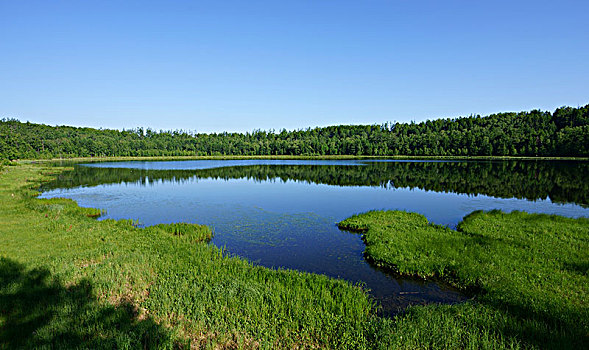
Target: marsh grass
(190,232)
(69,281)
(530,270)
(161,286)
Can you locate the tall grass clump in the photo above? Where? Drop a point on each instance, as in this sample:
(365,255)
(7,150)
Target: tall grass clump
(191,232)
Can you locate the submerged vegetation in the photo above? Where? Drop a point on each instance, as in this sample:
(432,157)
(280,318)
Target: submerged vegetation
(529,272)
(565,132)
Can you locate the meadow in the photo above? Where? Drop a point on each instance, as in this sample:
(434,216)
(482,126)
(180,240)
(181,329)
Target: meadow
(70,281)
(527,271)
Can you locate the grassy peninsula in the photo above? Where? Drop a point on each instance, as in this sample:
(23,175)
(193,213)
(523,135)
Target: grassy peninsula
(529,273)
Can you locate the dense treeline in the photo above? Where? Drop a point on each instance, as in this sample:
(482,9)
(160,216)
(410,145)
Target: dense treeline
(536,133)
(562,182)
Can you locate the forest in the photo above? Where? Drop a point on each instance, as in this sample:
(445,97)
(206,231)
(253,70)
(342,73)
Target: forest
(564,132)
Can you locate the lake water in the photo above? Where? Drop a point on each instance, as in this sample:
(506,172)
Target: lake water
(283,213)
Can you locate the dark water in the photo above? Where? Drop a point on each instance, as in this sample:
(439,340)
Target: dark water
(282,213)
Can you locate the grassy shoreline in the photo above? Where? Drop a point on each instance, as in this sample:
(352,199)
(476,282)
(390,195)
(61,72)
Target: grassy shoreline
(109,284)
(530,269)
(78,282)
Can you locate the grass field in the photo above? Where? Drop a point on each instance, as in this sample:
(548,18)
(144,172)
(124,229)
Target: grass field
(529,272)
(69,281)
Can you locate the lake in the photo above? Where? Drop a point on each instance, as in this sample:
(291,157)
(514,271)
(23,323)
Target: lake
(283,213)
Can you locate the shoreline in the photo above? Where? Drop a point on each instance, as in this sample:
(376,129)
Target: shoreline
(65,221)
(284,157)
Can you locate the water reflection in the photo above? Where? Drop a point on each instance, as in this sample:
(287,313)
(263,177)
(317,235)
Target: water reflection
(559,181)
(283,213)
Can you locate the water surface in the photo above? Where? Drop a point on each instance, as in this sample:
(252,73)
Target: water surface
(282,213)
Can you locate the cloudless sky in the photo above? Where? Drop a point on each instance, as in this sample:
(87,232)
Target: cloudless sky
(213,66)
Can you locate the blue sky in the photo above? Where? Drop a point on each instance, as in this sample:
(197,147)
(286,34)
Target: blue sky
(243,65)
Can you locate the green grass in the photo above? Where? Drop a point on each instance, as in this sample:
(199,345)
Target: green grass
(530,271)
(67,281)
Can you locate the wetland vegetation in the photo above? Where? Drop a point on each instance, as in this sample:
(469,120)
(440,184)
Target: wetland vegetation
(529,272)
(77,281)
(159,286)
(300,233)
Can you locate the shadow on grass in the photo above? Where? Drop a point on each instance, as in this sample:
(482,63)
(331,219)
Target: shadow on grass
(544,330)
(554,327)
(37,310)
